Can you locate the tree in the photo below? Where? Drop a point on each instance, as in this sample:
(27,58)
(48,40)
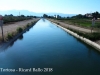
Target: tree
(22,16)
(95,14)
(45,16)
(79,16)
(11,15)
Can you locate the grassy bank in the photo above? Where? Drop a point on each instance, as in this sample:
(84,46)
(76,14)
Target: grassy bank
(93,36)
(80,22)
(18,30)
(11,18)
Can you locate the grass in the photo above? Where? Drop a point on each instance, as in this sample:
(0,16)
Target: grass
(81,22)
(19,29)
(91,36)
(32,23)
(94,36)
(57,23)
(0,38)
(9,36)
(28,25)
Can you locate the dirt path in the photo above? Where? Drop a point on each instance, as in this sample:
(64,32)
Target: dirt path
(71,26)
(74,27)
(8,28)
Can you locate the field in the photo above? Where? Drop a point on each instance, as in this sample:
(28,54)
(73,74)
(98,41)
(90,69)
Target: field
(81,22)
(81,27)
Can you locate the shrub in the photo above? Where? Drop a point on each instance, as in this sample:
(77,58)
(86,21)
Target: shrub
(58,23)
(19,29)
(9,36)
(92,36)
(32,23)
(28,25)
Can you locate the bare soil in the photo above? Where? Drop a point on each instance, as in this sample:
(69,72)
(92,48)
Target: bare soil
(8,28)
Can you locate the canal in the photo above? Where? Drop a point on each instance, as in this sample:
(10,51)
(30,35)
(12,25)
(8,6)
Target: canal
(52,51)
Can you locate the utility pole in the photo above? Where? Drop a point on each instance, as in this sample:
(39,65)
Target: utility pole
(19,13)
(93,23)
(1,24)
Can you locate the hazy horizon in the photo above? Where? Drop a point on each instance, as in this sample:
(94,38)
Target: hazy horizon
(26,12)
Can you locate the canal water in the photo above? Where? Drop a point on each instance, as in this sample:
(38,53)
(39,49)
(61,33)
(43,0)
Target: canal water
(48,50)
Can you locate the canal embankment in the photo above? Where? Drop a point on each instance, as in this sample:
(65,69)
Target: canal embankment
(53,47)
(13,31)
(77,28)
(84,39)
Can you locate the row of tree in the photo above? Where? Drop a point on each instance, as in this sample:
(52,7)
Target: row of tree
(96,14)
(90,15)
(79,16)
(46,16)
(11,18)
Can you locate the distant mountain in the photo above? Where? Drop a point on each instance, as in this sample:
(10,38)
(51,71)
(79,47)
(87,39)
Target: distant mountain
(22,12)
(26,12)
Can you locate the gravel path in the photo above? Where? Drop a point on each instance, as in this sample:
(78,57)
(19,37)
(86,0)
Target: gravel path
(71,26)
(8,28)
(74,27)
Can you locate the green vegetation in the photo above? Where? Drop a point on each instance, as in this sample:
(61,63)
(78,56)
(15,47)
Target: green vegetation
(28,25)
(84,21)
(9,36)
(19,29)
(58,23)
(11,18)
(79,20)
(46,16)
(92,36)
(32,23)
(0,39)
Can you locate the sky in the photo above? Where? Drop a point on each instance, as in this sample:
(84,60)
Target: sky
(58,6)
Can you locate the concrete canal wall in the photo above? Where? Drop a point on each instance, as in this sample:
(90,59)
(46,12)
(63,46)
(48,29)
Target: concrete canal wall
(89,42)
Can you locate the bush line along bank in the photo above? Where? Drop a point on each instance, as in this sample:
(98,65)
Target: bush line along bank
(10,36)
(94,36)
